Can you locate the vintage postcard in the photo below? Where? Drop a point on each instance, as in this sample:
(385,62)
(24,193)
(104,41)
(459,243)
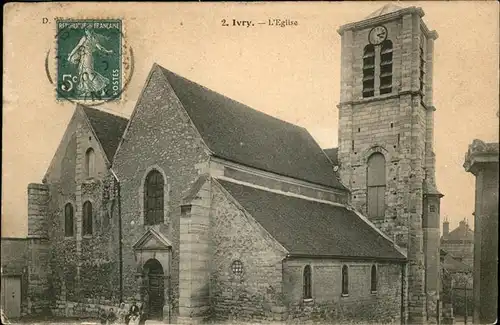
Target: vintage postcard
(250,163)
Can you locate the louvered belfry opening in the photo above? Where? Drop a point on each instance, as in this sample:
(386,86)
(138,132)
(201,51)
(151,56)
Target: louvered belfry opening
(369,71)
(386,67)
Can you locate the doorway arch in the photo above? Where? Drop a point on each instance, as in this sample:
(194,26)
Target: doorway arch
(154,275)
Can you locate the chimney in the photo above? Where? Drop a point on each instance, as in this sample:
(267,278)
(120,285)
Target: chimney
(446,229)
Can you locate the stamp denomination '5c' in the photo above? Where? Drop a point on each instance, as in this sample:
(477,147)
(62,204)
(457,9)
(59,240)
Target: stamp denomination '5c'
(89,59)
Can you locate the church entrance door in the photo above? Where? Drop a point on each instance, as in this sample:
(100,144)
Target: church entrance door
(155,288)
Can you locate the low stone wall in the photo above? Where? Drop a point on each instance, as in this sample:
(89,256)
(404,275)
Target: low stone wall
(88,308)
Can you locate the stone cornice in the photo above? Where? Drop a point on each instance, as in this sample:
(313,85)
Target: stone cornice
(385,97)
(389,16)
(280,178)
(380,19)
(480,153)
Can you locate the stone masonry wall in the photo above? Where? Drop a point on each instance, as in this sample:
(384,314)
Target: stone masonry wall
(395,125)
(84,269)
(159,136)
(255,294)
(39,284)
(328,305)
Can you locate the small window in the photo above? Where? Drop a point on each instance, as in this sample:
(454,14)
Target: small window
(68,220)
(373,285)
(307,282)
(386,67)
(87,219)
(432,208)
(90,162)
(345,280)
(369,71)
(237,267)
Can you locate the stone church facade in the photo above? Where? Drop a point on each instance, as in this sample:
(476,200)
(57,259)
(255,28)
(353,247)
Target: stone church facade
(207,209)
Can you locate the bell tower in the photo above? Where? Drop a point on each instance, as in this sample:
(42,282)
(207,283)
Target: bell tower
(386,123)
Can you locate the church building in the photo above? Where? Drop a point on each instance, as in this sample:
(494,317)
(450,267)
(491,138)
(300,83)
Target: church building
(206,209)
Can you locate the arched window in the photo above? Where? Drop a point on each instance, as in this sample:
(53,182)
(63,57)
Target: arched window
(87,218)
(68,220)
(369,71)
(90,162)
(376,186)
(373,280)
(345,280)
(386,67)
(307,282)
(153,198)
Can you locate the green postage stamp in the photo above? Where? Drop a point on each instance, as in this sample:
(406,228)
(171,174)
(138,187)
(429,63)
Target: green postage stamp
(89,59)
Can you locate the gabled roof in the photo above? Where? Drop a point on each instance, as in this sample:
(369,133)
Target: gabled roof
(332,153)
(462,232)
(312,228)
(152,239)
(108,128)
(387,9)
(238,133)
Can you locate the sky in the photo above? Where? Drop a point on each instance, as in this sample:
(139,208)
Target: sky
(292,73)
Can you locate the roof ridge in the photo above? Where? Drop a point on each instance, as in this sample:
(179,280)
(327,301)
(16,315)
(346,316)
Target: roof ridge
(231,99)
(107,111)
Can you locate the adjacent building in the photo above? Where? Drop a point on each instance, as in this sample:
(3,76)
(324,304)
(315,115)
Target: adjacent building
(459,243)
(482,161)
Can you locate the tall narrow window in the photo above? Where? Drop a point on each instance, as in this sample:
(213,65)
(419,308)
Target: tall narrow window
(373,282)
(307,282)
(68,220)
(153,198)
(89,162)
(369,71)
(422,69)
(386,67)
(87,218)
(345,280)
(376,186)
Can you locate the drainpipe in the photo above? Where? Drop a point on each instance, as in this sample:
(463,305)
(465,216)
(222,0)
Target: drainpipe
(403,307)
(120,236)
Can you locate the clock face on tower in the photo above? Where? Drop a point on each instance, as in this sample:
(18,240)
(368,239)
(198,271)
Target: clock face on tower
(377,35)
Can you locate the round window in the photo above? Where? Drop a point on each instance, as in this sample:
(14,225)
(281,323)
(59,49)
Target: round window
(237,267)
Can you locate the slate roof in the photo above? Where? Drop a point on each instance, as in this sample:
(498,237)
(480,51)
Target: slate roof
(453,265)
(310,228)
(238,133)
(108,128)
(332,153)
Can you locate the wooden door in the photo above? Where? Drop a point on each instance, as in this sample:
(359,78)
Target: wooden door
(11,296)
